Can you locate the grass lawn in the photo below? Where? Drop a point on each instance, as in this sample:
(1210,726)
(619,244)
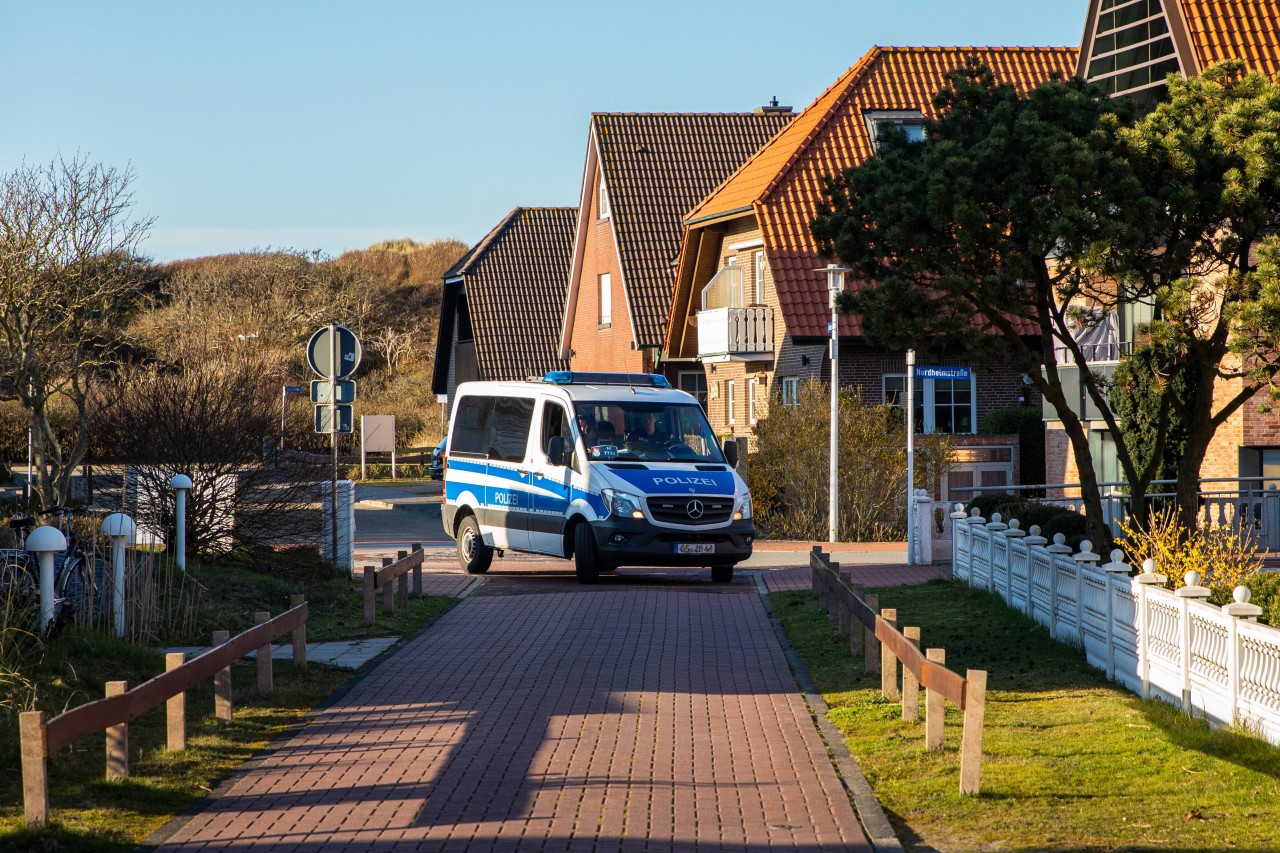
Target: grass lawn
(1070,761)
(87,812)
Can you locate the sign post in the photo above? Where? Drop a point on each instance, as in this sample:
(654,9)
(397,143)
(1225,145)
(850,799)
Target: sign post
(333,353)
(911,455)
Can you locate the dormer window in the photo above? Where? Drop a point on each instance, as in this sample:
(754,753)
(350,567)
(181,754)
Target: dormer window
(910,122)
(603,203)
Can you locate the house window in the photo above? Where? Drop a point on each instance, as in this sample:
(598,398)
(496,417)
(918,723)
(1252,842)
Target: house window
(759,282)
(729,395)
(694,383)
(751,401)
(603,202)
(791,391)
(880,122)
(941,405)
(606,299)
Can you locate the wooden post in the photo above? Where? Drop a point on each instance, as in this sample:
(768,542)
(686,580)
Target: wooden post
(388,590)
(175,708)
(910,684)
(844,611)
(265,682)
(35,768)
(222,685)
(417,573)
(975,705)
(117,739)
(299,636)
(856,632)
(871,654)
(889,661)
(370,587)
(934,704)
(402,585)
(833,597)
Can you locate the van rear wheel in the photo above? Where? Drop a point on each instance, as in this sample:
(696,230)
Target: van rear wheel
(473,554)
(722,574)
(586,562)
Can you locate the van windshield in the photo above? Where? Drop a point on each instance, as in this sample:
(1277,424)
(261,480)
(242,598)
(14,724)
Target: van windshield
(649,431)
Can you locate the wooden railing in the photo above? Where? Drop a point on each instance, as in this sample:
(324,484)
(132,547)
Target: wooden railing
(393,579)
(875,635)
(41,738)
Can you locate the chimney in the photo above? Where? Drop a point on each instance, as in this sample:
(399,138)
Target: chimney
(772,108)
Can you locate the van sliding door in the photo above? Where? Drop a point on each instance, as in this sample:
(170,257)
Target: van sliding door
(507,500)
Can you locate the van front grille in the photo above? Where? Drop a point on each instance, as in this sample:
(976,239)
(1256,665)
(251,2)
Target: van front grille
(691,509)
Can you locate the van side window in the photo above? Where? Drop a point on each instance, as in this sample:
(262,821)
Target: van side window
(511,419)
(471,426)
(555,422)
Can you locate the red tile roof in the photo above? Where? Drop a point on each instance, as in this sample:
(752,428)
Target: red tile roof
(782,183)
(1248,30)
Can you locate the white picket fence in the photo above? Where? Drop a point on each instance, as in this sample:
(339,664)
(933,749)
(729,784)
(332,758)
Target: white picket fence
(1217,662)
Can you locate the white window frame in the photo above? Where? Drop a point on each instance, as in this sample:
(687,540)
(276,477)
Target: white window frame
(875,119)
(729,395)
(791,391)
(759,278)
(602,200)
(606,299)
(751,401)
(926,394)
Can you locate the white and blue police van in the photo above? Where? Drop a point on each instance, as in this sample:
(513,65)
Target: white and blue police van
(609,469)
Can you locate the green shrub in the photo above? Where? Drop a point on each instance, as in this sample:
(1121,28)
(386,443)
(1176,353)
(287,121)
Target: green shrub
(1051,519)
(1027,424)
(1265,589)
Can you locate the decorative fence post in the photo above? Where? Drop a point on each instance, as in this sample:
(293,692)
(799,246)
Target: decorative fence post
(1238,609)
(1033,539)
(1148,578)
(924,526)
(1185,595)
(1117,567)
(180,484)
(1084,558)
(1015,531)
(959,562)
(120,529)
(1059,547)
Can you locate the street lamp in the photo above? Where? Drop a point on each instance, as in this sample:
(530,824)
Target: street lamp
(835,284)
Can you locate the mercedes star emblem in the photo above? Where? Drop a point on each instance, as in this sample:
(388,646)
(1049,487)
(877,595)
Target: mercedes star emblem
(694,509)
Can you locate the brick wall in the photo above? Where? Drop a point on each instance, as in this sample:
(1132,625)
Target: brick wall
(597,347)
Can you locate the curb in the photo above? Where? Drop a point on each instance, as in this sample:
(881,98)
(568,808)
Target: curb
(870,813)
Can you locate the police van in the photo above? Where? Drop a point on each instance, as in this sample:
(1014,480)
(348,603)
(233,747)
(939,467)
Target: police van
(609,469)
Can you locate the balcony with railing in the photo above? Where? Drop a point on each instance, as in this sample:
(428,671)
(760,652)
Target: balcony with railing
(729,330)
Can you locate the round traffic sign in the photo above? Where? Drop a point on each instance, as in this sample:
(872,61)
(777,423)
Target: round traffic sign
(320,352)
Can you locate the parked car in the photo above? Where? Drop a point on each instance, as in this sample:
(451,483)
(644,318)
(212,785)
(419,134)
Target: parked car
(436,471)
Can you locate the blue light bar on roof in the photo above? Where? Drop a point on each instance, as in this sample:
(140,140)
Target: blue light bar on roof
(578,377)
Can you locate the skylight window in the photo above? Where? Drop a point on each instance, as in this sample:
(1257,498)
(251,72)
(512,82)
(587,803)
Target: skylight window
(909,122)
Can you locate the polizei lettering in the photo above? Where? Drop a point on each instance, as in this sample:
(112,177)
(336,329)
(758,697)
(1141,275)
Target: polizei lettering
(683,481)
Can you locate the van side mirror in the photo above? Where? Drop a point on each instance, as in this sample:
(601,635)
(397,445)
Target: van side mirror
(731,452)
(557,451)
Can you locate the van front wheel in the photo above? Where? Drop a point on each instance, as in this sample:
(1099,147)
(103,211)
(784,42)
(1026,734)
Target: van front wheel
(586,563)
(473,554)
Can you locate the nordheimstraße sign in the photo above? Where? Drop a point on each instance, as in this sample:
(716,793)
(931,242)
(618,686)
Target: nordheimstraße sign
(943,373)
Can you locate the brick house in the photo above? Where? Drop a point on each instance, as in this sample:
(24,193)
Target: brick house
(503,300)
(749,307)
(643,172)
(1128,48)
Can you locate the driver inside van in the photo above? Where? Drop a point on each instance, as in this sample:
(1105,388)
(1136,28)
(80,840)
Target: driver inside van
(646,436)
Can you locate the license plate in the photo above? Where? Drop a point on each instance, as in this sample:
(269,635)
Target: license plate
(695,548)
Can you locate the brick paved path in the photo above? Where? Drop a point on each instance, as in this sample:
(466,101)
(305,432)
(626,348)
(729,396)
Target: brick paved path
(537,715)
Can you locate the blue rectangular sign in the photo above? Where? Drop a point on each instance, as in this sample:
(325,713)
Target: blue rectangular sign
(943,373)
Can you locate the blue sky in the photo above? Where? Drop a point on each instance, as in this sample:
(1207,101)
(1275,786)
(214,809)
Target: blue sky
(331,125)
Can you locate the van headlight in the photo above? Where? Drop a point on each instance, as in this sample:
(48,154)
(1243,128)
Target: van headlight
(744,509)
(622,504)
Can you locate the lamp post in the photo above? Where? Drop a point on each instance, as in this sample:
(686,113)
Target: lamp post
(835,284)
(912,553)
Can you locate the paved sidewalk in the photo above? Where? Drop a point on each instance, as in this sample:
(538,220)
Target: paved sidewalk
(645,714)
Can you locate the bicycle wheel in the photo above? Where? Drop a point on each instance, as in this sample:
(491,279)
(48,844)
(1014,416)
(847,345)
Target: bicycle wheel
(82,584)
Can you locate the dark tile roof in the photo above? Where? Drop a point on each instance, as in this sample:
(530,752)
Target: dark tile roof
(515,280)
(657,166)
